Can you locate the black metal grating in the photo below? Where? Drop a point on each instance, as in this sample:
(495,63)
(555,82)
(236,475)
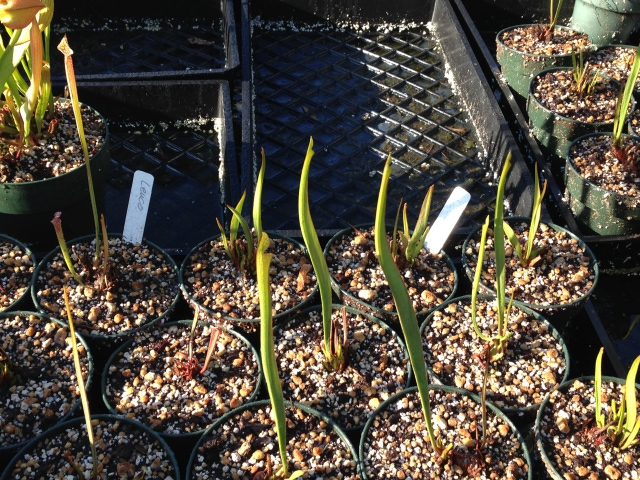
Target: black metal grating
(361,97)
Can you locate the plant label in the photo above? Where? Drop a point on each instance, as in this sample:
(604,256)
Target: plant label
(138,207)
(446,221)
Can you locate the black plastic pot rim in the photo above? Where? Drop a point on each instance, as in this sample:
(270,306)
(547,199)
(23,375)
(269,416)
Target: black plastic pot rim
(358,301)
(165,326)
(115,336)
(553,226)
(88,383)
(213,313)
(444,388)
(538,316)
(31,255)
(265,403)
(80,420)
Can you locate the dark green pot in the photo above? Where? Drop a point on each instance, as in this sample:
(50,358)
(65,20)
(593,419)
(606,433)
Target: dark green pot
(518,68)
(26,209)
(606,21)
(598,210)
(556,132)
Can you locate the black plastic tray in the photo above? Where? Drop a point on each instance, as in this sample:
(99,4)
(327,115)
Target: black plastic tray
(319,33)
(612,309)
(132,40)
(166,128)
(364,81)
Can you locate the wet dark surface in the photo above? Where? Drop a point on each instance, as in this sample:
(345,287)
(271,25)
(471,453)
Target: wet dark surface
(361,97)
(135,42)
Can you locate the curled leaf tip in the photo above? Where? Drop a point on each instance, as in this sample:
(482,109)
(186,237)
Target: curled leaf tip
(64,47)
(56,220)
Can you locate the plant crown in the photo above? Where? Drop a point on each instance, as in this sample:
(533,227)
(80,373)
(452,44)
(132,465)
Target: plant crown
(528,256)
(499,341)
(622,424)
(584,78)
(241,251)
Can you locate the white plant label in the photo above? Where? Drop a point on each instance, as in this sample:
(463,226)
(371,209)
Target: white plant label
(446,221)
(138,207)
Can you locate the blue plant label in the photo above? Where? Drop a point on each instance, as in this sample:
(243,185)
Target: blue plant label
(446,221)
(138,207)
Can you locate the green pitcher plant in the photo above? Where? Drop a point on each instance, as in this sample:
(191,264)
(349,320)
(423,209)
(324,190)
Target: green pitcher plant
(498,342)
(242,251)
(83,396)
(334,351)
(622,424)
(584,78)
(269,362)
(103,271)
(618,147)
(529,255)
(406,313)
(25,68)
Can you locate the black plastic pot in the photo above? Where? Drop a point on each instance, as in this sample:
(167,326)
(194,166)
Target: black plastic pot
(14,266)
(401,406)
(515,412)
(560,314)
(199,460)
(349,297)
(119,450)
(33,326)
(549,460)
(101,339)
(362,347)
(249,325)
(181,442)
